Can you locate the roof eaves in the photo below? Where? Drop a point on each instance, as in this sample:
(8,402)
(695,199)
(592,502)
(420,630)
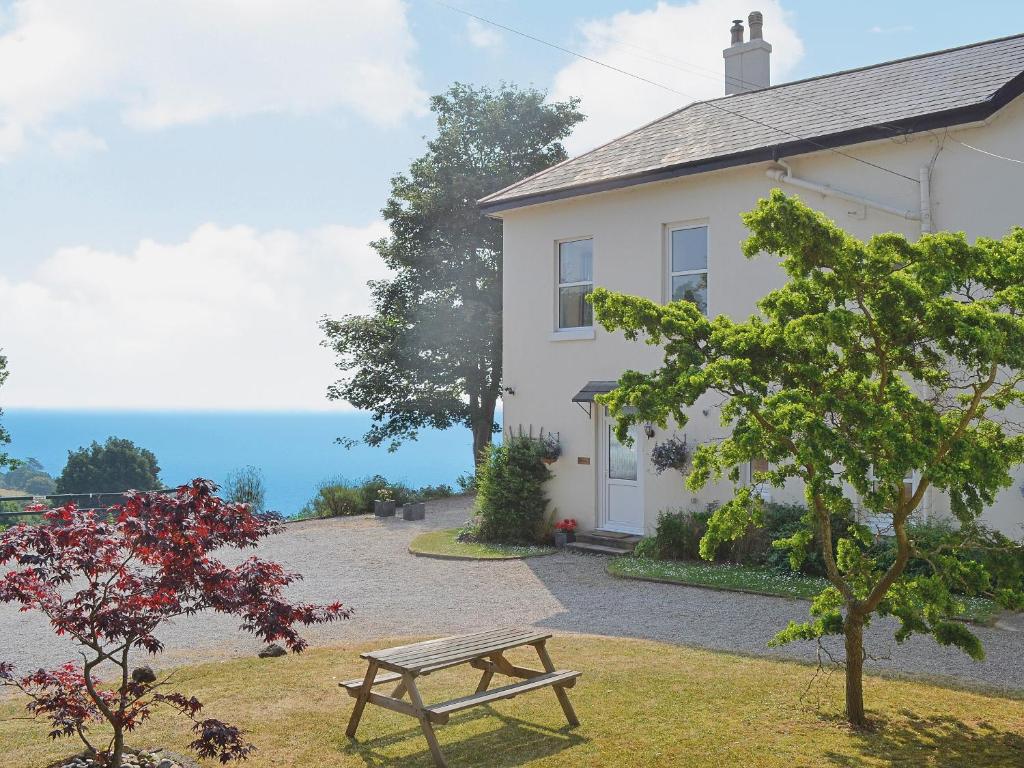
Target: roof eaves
(976,112)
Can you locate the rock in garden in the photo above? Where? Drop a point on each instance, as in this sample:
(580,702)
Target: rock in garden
(143,675)
(271,651)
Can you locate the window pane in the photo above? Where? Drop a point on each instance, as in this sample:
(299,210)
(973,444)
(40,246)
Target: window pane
(621,458)
(691,288)
(689,249)
(574,261)
(574,311)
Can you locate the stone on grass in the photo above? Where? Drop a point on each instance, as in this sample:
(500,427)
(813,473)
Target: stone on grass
(272,651)
(144,674)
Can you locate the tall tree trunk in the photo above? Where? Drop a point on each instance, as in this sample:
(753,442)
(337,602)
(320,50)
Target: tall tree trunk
(482,421)
(853,629)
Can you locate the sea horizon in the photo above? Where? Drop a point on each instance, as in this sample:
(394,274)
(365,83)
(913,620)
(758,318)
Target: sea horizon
(295,450)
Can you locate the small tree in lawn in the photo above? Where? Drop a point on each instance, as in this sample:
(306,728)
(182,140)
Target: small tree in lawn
(109,585)
(876,362)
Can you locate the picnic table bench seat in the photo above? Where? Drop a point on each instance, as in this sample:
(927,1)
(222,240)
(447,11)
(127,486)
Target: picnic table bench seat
(483,651)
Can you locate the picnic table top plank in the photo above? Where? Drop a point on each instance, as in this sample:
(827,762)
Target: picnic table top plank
(438,654)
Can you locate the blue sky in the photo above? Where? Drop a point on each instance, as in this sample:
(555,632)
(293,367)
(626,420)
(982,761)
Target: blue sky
(199,181)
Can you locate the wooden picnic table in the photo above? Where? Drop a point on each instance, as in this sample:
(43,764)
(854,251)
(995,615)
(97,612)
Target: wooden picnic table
(483,651)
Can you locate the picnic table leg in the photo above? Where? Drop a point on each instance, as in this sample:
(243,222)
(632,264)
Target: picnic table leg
(485,679)
(361,699)
(399,691)
(563,697)
(425,724)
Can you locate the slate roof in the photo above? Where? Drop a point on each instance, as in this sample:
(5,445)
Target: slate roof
(933,90)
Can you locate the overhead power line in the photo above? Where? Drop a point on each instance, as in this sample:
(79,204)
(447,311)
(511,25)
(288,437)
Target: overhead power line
(986,152)
(712,104)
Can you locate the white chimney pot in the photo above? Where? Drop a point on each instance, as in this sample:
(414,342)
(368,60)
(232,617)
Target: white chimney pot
(747,64)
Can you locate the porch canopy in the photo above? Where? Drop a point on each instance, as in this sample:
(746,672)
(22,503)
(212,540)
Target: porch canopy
(592,388)
(585,397)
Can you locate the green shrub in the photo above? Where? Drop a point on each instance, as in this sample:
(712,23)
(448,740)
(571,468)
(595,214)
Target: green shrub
(342,498)
(334,499)
(510,492)
(466,483)
(647,547)
(429,492)
(1001,558)
(246,486)
(677,535)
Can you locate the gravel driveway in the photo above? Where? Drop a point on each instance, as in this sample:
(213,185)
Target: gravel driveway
(364,562)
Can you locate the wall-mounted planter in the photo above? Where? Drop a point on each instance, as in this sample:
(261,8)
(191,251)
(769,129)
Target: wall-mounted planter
(384,508)
(414,511)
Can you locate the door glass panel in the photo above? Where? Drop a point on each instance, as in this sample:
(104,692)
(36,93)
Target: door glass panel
(621,458)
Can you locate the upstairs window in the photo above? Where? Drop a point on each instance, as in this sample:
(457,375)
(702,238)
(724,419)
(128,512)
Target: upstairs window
(575,281)
(688,265)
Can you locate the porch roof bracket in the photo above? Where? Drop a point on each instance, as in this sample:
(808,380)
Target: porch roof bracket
(589,392)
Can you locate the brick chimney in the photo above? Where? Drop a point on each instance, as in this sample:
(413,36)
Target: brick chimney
(747,64)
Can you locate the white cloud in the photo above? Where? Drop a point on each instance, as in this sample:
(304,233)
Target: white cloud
(676,44)
(896,30)
(224,320)
(481,35)
(172,62)
(76,142)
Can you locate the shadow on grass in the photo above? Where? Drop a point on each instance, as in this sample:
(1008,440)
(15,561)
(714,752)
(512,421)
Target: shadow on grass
(937,741)
(514,743)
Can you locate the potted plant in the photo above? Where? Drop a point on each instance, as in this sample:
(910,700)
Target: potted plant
(565,532)
(671,454)
(385,505)
(551,447)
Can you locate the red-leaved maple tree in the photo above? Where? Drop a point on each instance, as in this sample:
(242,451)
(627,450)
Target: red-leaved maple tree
(107,582)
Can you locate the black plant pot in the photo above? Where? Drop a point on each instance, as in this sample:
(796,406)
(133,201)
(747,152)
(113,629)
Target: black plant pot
(561,539)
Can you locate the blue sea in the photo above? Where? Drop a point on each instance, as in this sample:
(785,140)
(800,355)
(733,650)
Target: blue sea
(294,451)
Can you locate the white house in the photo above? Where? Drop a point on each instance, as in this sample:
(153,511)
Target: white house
(931,142)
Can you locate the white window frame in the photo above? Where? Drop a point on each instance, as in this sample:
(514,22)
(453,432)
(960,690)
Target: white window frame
(760,488)
(914,478)
(578,331)
(669,229)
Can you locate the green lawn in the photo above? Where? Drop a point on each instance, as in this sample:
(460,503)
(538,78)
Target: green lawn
(745,578)
(641,705)
(445,544)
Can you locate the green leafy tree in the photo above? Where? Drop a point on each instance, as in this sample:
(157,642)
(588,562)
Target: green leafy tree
(117,465)
(429,355)
(876,360)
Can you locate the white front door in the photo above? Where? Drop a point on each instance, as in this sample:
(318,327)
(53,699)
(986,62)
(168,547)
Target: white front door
(620,490)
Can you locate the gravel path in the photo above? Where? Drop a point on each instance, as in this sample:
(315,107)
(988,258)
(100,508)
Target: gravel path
(364,562)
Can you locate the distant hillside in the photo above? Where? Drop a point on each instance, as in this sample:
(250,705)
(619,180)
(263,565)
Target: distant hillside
(28,478)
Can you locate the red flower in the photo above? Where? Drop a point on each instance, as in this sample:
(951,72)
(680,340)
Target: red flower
(568,525)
